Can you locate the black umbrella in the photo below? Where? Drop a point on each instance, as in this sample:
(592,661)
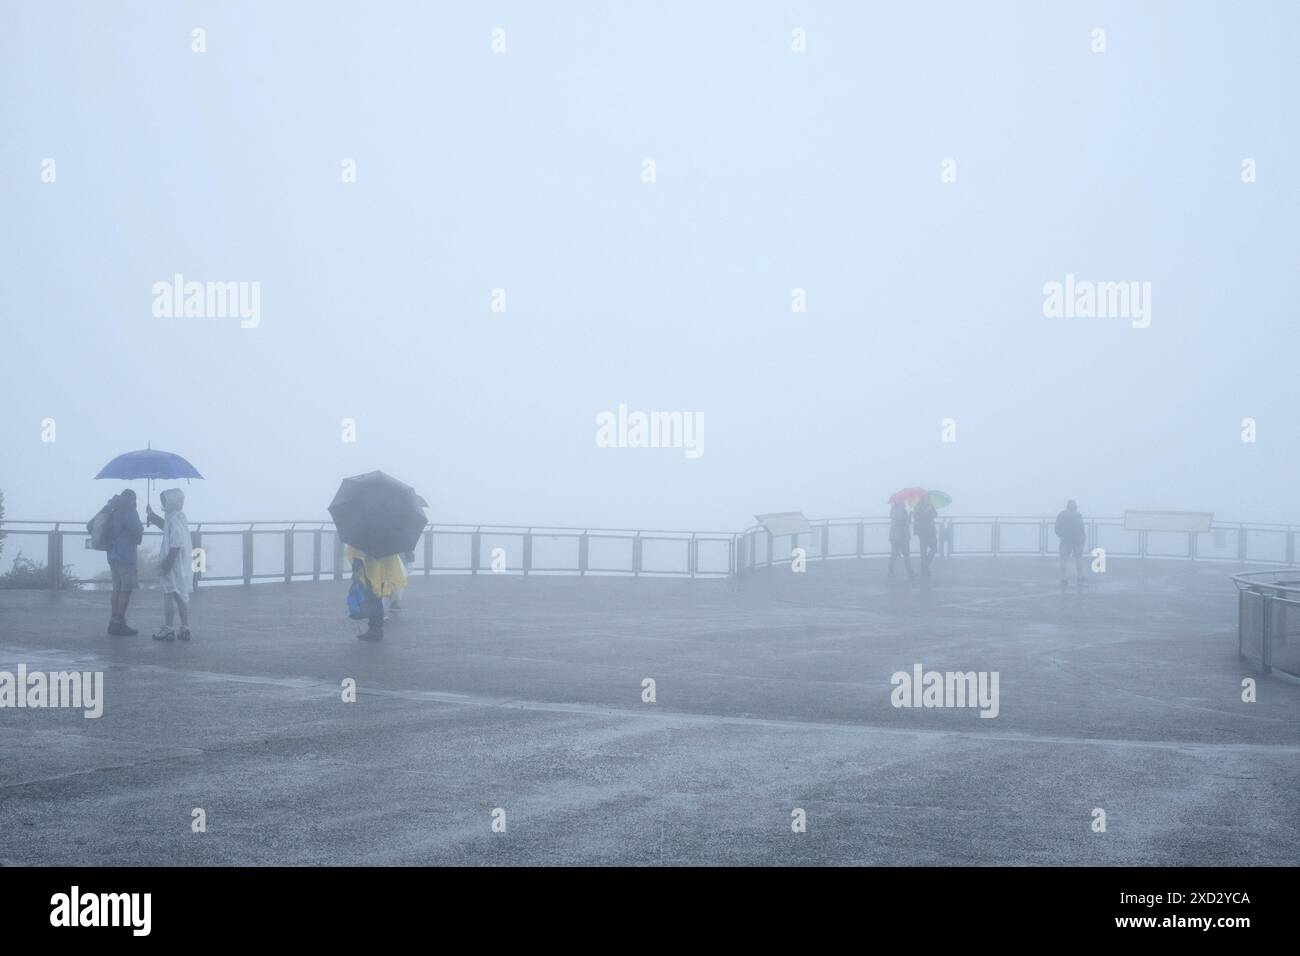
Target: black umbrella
(377,514)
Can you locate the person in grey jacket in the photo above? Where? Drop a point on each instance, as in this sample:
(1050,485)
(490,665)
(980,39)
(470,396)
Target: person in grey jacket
(900,533)
(1073,539)
(924,521)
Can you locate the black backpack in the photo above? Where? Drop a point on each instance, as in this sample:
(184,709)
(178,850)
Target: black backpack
(100,527)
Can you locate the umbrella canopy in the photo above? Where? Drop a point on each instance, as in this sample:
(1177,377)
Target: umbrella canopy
(940,499)
(378,514)
(148,463)
(907,496)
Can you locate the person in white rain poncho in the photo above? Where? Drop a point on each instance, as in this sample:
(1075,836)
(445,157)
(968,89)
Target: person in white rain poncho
(175,575)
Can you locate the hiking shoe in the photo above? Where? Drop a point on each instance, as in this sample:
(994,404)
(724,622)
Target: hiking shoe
(128,630)
(116,629)
(183,634)
(166,634)
(370,636)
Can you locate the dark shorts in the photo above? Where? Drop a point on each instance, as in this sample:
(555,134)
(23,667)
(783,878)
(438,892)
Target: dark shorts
(1074,550)
(124,576)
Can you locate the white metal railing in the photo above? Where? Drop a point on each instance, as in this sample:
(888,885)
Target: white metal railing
(251,551)
(839,538)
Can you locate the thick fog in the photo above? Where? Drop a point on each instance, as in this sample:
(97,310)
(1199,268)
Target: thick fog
(818,230)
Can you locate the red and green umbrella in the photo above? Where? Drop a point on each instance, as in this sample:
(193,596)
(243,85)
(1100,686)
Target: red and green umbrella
(907,496)
(940,499)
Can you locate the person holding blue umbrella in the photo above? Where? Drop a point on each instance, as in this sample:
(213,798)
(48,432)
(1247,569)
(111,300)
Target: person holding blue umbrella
(123,531)
(175,574)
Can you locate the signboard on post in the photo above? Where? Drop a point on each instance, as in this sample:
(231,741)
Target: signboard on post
(780,523)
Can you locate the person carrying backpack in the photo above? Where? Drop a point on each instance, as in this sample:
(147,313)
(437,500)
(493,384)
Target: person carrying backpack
(124,532)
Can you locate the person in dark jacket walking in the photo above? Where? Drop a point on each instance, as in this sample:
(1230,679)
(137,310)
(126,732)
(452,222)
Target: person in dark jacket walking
(124,535)
(900,534)
(1073,538)
(924,516)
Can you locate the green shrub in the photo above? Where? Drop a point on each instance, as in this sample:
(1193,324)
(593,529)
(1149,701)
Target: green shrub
(27,573)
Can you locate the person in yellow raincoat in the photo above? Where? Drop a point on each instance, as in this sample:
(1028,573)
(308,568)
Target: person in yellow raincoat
(382,578)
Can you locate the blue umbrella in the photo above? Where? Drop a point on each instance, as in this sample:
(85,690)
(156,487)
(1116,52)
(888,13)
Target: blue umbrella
(148,463)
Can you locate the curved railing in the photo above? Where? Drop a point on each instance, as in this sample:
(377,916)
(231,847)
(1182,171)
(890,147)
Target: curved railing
(1268,619)
(865,537)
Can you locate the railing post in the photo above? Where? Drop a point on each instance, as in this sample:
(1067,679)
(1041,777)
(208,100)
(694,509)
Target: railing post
(315,554)
(338,556)
(636,555)
(528,550)
(1241,543)
(1191,544)
(54,558)
(248,556)
(428,551)
(997,534)
(288,555)
(475,549)
(862,538)
(1042,536)
(769,549)
(1290,545)
(692,555)
(1266,626)
(196,542)
(826,541)
(583,544)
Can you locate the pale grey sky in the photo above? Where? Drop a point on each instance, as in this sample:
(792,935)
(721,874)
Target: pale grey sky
(775,170)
